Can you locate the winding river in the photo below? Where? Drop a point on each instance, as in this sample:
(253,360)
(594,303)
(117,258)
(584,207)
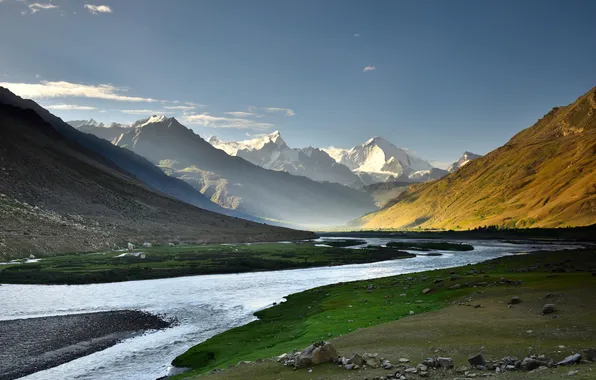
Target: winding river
(204,305)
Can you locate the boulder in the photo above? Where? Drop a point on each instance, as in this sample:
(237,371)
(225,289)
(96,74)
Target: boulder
(476,360)
(534,362)
(430,363)
(371,360)
(571,359)
(446,363)
(317,353)
(549,308)
(356,359)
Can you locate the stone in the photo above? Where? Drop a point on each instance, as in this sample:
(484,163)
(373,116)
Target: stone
(412,312)
(387,365)
(590,354)
(423,374)
(515,300)
(571,359)
(317,353)
(430,362)
(371,360)
(549,308)
(426,291)
(349,366)
(455,287)
(147,245)
(446,363)
(476,360)
(411,370)
(131,246)
(533,362)
(356,359)
(404,360)
(282,357)
(572,373)
(422,367)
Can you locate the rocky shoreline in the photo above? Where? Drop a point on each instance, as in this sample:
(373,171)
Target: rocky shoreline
(35,344)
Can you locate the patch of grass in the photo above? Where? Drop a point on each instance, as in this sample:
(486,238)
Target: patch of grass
(350,309)
(186,260)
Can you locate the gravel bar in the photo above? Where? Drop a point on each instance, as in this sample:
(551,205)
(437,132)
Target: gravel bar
(34,344)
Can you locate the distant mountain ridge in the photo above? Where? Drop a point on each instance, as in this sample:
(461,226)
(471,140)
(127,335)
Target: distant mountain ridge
(107,132)
(272,152)
(378,160)
(545,176)
(463,160)
(236,183)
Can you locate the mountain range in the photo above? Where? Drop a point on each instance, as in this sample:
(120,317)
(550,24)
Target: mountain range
(377,160)
(272,152)
(62,190)
(238,184)
(545,176)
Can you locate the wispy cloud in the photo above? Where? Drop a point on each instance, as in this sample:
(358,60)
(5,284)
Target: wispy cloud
(210,121)
(70,107)
(97,9)
(47,89)
(182,108)
(195,104)
(242,114)
(36,7)
(356,34)
(142,112)
(369,68)
(287,111)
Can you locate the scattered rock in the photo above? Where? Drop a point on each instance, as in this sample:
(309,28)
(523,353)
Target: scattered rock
(430,363)
(571,359)
(476,360)
(549,308)
(454,287)
(404,360)
(371,360)
(572,373)
(515,300)
(446,363)
(317,353)
(426,291)
(590,354)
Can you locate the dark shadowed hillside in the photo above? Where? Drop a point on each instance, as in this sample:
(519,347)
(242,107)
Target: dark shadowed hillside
(58,195)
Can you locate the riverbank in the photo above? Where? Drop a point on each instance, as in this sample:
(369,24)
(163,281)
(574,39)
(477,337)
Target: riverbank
(146,263)
(35,344)
(454,312)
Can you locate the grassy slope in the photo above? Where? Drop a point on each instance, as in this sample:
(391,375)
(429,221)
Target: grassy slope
(543,177)
(185,260)
(441,325)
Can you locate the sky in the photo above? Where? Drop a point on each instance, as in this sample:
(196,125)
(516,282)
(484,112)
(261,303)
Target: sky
(436,77)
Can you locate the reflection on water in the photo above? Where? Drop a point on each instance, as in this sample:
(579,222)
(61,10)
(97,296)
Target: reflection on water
(204,305)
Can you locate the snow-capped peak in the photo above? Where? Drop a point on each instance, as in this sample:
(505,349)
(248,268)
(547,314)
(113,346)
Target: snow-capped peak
(150,120)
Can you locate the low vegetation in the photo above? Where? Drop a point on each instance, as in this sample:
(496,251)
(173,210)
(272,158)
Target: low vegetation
(454,312)
(186,260)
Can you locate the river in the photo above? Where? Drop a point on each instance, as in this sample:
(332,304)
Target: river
(204,305)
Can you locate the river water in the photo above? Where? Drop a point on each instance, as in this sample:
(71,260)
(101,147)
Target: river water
(204,305)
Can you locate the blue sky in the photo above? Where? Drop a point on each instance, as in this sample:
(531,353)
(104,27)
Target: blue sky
(437,77)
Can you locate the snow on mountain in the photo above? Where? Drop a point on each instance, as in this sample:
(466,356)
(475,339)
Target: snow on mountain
(101,130)
(378,160)
(464,159)
(272,152)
